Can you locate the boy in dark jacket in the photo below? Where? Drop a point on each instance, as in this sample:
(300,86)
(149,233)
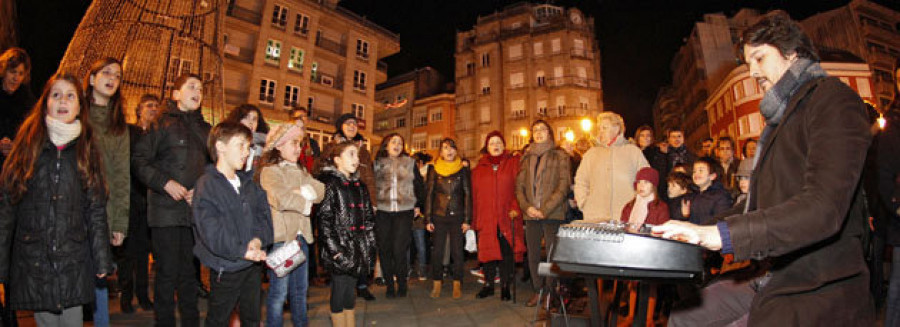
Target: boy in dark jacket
(712,198)
(232,223)
(169,159)
(679,192)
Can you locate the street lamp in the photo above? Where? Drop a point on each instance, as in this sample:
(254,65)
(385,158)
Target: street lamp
(586,125)
(570,136)
(523,131)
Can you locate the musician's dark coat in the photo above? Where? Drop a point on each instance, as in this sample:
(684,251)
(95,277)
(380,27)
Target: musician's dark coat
(803,218)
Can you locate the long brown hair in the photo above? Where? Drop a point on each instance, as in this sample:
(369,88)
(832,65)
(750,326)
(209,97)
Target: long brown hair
(116,121)
(19,167)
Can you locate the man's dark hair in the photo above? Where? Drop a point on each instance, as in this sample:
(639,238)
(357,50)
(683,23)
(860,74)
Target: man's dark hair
(778,30)
(714,167)
(673,130)
(725,139)
(179,82)
(708,139)
(223,132)
(145,98)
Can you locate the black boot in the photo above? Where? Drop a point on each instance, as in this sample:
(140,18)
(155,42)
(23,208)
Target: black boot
(401,289)
(504,294)
(485,292)
(365,294)
(390,290)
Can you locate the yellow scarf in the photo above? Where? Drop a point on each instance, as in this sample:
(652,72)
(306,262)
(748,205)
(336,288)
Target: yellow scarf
(447,168)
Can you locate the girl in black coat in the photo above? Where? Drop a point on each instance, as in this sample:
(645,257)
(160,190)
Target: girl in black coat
(54,238)
(346,230)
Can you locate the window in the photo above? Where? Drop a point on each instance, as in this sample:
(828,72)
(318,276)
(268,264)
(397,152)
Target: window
(486,60)
(362,49)
(418,141)
(400,122)
(470,68)
(273,51)
(279,16)
(541,80)
(516,80)
(486,86)
(738,92)
(434,142)
(749,87)
(296,62)
(359,110)
(485,116)
(518,108)
(862,85)
(581,72)
(560,104)
(310,101)
(558,72)
(420,119)
(515,51)
(517,140)
(583,102)
(301,26)
(556,45)
(267,91)
(359,80)
(538,49)
(578,46)
(437,114)
(178,67)
(291,94)
(542,107)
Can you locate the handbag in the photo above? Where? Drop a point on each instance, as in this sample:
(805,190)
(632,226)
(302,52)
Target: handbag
(286,258)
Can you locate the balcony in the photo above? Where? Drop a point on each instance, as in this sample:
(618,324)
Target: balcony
(573,81)
(333,46)
(465,98)
(323,115)
(244,14)
(513,86)
(566,112)
(327,80)
(240,54)
(582,53)
(382,66)
(517,115)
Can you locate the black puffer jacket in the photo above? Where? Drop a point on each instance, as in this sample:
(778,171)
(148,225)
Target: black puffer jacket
(448,199)
(57,234)
(174,150)
(346,225)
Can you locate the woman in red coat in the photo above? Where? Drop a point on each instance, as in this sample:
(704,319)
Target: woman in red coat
(496,213)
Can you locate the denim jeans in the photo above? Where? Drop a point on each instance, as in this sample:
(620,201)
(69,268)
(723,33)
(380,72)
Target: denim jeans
(419,241)
(294,284)
(101,306)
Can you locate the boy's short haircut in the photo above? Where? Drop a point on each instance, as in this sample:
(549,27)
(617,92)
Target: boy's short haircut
(673,130)
(223,132)
(680,179)
(181,80)
(714,167)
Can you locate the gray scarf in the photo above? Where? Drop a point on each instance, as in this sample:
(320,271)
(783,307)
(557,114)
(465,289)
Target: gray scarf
(775,101)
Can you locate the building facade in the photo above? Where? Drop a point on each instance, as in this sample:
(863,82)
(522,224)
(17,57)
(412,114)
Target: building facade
(699,66)
(526,62)
(397,96)
(434,118)
(867,30)
(733,107)
(314,54)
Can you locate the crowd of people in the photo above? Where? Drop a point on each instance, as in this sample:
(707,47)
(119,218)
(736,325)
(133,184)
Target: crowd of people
(86,196)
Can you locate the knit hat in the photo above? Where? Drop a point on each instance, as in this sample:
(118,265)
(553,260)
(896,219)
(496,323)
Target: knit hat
(647,174)
(745,169)
(342,119)
(492,134)
(281,134)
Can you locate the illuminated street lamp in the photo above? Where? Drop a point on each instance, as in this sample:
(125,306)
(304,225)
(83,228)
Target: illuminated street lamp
(586,125)
(523,131)
(570,136)
(881,121)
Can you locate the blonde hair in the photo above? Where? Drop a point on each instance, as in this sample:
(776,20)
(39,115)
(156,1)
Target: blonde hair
(612,118)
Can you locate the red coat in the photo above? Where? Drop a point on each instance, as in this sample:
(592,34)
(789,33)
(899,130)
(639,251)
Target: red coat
(493,194)
(657,212)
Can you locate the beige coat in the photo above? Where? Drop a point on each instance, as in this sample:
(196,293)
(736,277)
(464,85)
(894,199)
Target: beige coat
(604,182)
(282,183)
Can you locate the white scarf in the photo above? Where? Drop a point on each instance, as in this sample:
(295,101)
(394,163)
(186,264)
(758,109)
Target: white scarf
(61,133)
(640,209)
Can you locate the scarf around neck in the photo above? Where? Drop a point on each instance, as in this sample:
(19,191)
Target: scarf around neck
(640,210)
(775,101)
(447,168)
(61,133)
(539,149)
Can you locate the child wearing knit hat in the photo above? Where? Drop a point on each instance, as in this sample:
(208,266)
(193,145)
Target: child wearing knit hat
(646,207)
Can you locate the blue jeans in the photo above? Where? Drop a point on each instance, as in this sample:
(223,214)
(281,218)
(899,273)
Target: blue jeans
(294,284)
(419,241)
(101,307)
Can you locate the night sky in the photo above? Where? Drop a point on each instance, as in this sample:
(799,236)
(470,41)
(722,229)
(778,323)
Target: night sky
(637,38)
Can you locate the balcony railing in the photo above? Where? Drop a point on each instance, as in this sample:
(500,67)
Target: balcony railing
(582,53)
(245,14)
(564,111)
(517,115)
(333,46)
(239,53)
(573,81)
(327,80)
(465,98)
